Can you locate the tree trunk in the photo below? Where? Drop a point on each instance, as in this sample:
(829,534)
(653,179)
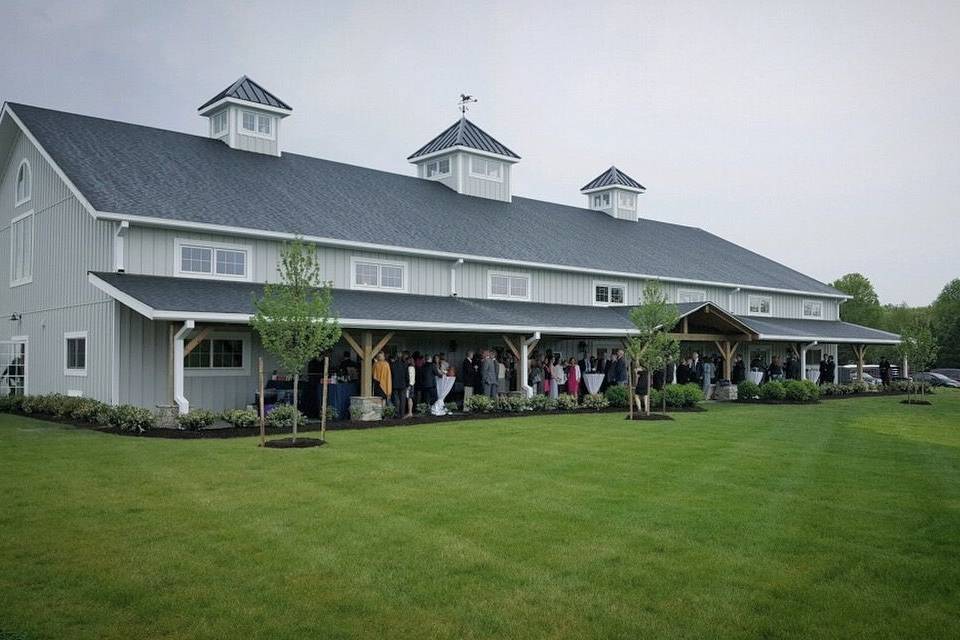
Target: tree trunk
(263,422)
(663,395)
(649,383)
(296,389)
(632,391)
(323,403)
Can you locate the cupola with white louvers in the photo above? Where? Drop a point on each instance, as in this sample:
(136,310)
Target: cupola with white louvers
(615,193)
(467,159)
(247,117)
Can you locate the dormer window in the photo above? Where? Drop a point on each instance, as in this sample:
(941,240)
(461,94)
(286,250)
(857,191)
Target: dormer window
(438,168)
(256,124)
(601,200)
(24,183)
(486,169)
(218,124)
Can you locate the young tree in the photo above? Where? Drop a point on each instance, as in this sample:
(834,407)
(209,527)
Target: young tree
(295,318)
(918,346)
(652,347)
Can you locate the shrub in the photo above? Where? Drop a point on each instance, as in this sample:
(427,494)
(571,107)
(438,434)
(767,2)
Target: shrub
(389,411)
(332,413)
(680,396)
(283,416)
(748,390)
(512,404)
(801,391)
(618,396)
(126,417)
(90,410)
(859,386)
(542,403)
(480,403)
(423,408)
(11,403)
(566,402)
(598,401)
(451,407)
(67,406)
(240,418)
(196,419)
(773,390)
(656,398)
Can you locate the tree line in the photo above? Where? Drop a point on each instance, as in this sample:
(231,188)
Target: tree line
(941,318)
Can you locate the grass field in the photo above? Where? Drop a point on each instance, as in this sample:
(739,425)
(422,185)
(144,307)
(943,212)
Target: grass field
(839,520)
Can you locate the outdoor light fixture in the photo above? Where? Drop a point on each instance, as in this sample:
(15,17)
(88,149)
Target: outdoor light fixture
(15,317)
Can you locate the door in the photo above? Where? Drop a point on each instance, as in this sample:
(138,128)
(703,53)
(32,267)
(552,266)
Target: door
(13,359)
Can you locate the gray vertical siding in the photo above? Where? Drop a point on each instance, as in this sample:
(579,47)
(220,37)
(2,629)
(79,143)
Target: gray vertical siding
(67,243)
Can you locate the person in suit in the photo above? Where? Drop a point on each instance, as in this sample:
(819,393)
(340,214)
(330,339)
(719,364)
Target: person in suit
(488,375)
(885,372)
(739,373)
(822,378)
(696,369)
(831,369)
(467,375)
(683,372)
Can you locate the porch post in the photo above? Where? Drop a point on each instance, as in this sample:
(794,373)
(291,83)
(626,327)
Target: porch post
(366,366)
(526,346)
(183,405)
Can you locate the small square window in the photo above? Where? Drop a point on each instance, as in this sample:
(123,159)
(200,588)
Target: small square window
(391,277)
(195,259)
(445,166)
(249,121)
(264,125)
(759,305)
(367,274)
(227,354)
(812,309)
(231,263)
(76,354)
(505,285)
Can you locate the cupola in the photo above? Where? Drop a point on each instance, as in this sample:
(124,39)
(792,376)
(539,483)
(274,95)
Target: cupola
(467,159)
(615,193)
(246,116)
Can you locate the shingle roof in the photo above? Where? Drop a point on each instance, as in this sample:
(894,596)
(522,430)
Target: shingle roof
(217,296)
(611,178)
(137,170)
(464,133)
(249,91)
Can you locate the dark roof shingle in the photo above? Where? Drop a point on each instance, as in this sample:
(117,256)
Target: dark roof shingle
(249,91)
(143,171)
(610,178)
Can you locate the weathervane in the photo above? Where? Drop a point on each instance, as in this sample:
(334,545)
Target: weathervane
(464,101)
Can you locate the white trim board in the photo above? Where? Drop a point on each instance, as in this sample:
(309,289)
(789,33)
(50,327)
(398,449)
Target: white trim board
(446,255)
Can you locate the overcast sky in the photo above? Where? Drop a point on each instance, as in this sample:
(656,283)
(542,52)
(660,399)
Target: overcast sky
(823,135)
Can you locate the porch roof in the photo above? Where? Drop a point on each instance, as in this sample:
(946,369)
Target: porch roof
(167,298)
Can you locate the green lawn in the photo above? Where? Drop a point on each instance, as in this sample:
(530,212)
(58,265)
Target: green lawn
(835,520)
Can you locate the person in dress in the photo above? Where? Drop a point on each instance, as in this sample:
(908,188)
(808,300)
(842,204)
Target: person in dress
(547,376)
(411,385)
(641,391)
(382,386)
(739,373)
(573,378)
(536,376)
(559,377)
(775,370)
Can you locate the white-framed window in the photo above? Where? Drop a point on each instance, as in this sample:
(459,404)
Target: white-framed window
(691,295)
(508,286)
(219,354)
(203,259)
(218,123)
(486,168)
(601,200)
(370,273)
(438,168)
(256,124)
(24,183)
(760,305)
(813,309)
(21,249)
(609,293)
(75,353)
(628,200)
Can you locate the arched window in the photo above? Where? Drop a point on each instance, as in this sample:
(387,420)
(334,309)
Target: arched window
(24,183)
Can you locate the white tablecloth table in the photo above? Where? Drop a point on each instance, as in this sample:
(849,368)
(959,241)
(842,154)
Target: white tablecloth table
(755,376)
(444,385)
(593,381)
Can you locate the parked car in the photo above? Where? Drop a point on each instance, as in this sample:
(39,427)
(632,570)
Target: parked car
(953,374)
(867,378)
(935,379)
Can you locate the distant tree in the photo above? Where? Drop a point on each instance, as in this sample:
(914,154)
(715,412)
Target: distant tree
(896,318)
(945,319)
(652,347)
(864,307)
(918,346)
(295,318)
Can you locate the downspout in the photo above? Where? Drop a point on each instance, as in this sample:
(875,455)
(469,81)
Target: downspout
(525,364)
(730,299)
(183,405)
(119,259)
(453,277)
(803,358)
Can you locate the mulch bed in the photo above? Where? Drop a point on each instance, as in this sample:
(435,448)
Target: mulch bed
(290,443)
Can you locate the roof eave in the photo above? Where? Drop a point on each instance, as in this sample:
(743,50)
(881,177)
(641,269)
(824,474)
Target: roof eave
(414,159)
(219,104)
(587,191)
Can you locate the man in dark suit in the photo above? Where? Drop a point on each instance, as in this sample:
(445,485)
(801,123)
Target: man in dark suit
(620,376)
(398,380)
(466,375)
